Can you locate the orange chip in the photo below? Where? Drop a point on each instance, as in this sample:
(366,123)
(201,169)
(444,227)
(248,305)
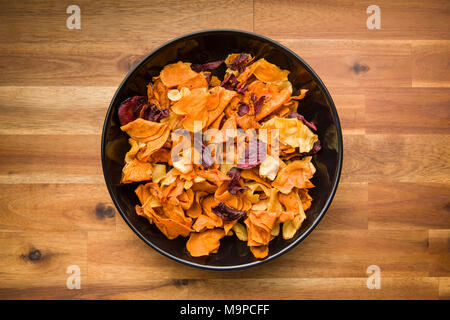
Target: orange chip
(252,174)
(204,243)
(196,210)
(305,198)
(236,201)
(259,224)
(217,101)
(199,81)
(144,130)
(160,93)
(260,252)
(275,97)
(136,170)
(268,72)
(175,74)
(193,107)
(213,175)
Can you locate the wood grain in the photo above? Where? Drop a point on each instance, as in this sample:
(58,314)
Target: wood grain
(431,63)
(347,19)
(392,207)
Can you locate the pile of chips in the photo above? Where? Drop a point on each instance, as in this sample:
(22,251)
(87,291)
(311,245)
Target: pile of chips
(197,176)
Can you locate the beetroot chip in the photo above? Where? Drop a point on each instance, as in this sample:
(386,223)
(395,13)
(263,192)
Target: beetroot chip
(240,63)
(257,103)
(152,113)
(229,82)
(130,109)
(206,66)
(302,119)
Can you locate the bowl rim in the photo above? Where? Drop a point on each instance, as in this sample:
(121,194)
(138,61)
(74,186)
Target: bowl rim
(336,178)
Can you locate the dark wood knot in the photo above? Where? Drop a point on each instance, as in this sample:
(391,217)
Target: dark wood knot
(360,68)
(35,255)
(102,211)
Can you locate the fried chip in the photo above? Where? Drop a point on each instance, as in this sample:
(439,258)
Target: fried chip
(204,243)
(295,174)
(194,108)
(268,72)
(135,171)
(260,252)
(172,75)
(293,133)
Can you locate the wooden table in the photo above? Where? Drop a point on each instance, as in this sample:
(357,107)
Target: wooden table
(392,90)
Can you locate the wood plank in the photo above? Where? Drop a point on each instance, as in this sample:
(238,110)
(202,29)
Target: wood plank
(431,63)
(347,19)
(408,111)
(444,288)
(439,247)
(348,209)
(356,63)
(150,289)
(396,158)
(350,63)
(407,206)
(56,207)
(86,64)
(40,259)
(50,159)
(351,109)
(325,253)
(49,110)
(325,288)
(118,21)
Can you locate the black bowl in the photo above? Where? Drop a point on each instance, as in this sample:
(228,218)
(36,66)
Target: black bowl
(201,47)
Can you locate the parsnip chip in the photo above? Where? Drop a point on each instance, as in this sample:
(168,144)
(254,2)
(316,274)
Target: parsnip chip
(240,231)
(293,133)
(159,171)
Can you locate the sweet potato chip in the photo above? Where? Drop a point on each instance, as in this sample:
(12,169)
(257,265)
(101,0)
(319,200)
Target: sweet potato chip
(199,81)
(275,97)
(177,73)
(204,243)
(268,72)
(260,252)
(214,176)
(143,130)
(235,201)
(305,198)
(217,101)
(295,174)
(135,171)
(193,107)
(135,146)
